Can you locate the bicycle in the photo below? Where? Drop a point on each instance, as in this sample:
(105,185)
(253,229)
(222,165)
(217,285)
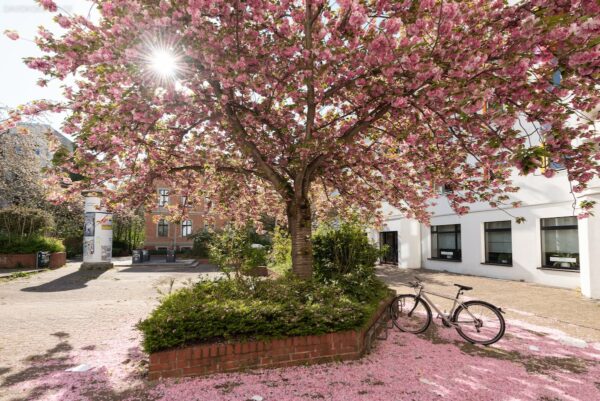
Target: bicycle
(478,322)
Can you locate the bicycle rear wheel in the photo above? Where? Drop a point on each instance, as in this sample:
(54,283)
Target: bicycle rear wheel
(410,314)
(479,322)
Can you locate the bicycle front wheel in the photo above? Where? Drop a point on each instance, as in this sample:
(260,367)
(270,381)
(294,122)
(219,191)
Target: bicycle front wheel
(479,322)
(410,314)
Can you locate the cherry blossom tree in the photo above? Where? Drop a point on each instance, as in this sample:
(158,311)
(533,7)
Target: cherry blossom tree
(291,107)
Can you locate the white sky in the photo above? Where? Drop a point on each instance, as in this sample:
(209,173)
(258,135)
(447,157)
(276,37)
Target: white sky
(17,81)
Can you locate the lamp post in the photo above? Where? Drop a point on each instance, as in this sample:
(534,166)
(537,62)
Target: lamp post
(97,233)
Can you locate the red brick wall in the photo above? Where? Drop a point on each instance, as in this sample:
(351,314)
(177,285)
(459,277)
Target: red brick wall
(29,260)
(216,357)
(17,260)
(198,215)
(57,259)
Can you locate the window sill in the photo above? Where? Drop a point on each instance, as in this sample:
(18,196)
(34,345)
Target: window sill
(446,260)
(558,269)
(497,264)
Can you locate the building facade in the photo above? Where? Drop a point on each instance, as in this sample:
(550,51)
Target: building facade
(160,234)
(551,247)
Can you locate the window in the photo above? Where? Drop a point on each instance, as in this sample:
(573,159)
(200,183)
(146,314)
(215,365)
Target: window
(163,197)
(186,228)
(498,242)
(184,201)
(560,243)
(444,189)
(445,242)
(163,228)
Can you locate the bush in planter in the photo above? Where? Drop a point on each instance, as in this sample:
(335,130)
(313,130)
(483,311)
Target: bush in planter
(237,250)
(31,244)
(343,254)
(280,258)
(247,308)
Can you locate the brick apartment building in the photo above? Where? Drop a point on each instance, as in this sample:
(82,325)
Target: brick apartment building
(163,234)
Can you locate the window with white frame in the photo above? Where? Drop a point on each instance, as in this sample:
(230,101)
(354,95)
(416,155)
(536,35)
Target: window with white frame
(560,243)
(163,197)
(498,242)
(163,228)
(186,228)
(445,242)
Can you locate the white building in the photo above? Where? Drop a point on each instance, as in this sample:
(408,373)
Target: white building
(551,247)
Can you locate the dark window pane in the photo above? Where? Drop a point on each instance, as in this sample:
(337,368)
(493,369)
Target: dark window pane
(560,243)
(498,242)
(445,242)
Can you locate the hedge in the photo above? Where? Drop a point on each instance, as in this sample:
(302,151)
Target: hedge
(233,309)
(30,245)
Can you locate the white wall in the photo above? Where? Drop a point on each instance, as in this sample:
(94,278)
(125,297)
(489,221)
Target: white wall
(541,198)
(409,240)
(526,246)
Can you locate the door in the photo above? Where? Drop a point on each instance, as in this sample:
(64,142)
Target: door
(389,238)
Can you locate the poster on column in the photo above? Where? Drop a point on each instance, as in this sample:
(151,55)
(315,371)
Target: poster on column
(88,247)
(89,225)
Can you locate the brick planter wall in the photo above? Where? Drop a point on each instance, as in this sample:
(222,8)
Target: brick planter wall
(58,259)
(206,359)
(12,261)
(28,260)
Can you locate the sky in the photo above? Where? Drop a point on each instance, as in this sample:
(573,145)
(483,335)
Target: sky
(17,81)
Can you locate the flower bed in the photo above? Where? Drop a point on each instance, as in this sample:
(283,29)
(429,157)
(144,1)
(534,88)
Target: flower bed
(271,353)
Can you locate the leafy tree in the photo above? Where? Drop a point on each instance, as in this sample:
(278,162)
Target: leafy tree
(128,228)
(292,107)
(19,222)
(20,169)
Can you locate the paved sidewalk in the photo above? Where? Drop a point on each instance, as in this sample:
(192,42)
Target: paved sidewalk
(66,309)
(65,318)
(561,309)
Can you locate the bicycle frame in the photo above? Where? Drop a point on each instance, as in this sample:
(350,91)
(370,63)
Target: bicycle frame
(447,318)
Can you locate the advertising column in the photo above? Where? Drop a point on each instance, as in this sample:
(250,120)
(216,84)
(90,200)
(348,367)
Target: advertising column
(97,233)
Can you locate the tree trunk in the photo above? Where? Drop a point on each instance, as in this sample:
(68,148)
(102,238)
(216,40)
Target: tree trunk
(299,223)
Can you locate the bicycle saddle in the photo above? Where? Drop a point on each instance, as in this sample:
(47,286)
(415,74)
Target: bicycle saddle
(463,287)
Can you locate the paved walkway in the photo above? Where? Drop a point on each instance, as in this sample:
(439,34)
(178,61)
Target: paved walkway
(67,310)
(565,310)
(66,318)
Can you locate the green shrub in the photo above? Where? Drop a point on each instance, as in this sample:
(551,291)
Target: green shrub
(280,258)
(202,240)
(31,245)
(343,254)
(74,245)
(342,248)
(232,250)
(247,308)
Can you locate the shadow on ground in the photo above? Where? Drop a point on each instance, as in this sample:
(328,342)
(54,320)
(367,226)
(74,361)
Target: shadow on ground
(171,269)
(72,281)
(45,374)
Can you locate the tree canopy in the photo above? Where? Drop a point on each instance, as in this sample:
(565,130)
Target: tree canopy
(292,107)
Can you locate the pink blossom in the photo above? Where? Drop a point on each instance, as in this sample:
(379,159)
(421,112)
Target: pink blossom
(13,35)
